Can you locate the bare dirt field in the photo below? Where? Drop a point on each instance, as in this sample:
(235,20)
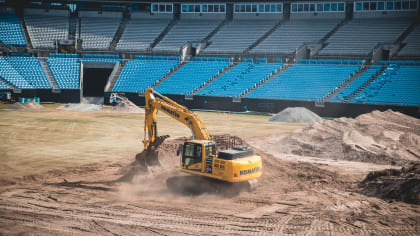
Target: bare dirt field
(63,173)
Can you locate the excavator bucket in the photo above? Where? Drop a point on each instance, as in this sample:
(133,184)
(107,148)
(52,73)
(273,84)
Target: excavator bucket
(150,157)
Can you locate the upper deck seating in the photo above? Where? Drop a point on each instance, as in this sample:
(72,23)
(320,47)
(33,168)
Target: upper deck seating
(238,35)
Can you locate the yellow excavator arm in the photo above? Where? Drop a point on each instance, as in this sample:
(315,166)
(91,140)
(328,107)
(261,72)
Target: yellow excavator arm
(155,101)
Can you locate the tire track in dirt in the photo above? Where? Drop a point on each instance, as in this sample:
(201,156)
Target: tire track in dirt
(293,198)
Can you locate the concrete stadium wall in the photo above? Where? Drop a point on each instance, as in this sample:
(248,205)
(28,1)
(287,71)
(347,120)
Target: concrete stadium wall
(258,16)
(274,106)
(385,14)
(7,10)
(45,12)
(144,15)
(204,16)
(100,14)
(316,15)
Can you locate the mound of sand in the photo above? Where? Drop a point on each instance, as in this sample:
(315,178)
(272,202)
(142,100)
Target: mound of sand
(27,105)
(295,115)
(401,185)
(377,137)
(33,105)
(127,106)
(80,107)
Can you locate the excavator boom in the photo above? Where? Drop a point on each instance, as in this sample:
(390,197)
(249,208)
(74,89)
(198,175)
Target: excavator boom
(155,101)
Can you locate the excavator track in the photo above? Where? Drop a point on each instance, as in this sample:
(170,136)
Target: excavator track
(197,185)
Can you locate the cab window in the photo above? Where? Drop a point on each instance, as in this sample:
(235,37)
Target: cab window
(192,153)
(189,150)
(210,150)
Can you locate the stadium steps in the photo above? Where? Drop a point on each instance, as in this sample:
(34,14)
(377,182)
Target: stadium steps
(268,33)
(115,74)
(407,31)
(179,66)
(15,90)
(366,84)
(215,31)
(285,67)
(25,32)
(329,34)
(347,82)
(48,73)
(73,25)
(164,32)
(404,35)
(119,33)
(233,64)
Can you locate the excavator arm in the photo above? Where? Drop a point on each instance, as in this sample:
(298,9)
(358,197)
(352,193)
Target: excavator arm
(155,101)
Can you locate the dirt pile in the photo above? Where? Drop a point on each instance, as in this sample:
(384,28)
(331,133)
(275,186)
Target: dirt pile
(295,115)
(27,105)
(402,185)
(378,137)
(80,107)
(127,106)
(33,105)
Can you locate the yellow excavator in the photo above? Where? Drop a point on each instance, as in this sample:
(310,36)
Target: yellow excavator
(199,155)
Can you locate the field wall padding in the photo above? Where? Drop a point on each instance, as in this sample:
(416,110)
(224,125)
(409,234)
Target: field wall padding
(327,109)
(47,95)
(274,106)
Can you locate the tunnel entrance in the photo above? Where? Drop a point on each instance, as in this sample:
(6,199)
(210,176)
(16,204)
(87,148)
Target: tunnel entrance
(94,80)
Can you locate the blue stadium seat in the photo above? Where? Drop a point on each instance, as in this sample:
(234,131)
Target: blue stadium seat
(397,85)
(3,86)
(138,75)
(305,82)
(31,70)
(239,79)
(355,85)
(11,33)
(66,72)
(191,76)
(106,56)
(8,73)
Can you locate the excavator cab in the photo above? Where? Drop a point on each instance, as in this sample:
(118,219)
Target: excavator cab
(234,165)
(197,152)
